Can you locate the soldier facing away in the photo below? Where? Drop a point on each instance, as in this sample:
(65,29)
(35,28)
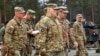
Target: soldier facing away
(80,36)
(50,41)
(15,34)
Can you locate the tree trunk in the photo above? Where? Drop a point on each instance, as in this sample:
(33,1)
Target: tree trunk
(81,1)
(92,11)
(5,10)
(0,17)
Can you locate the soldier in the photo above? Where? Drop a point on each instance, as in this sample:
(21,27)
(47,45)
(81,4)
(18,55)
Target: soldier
(49,42)
(62,13)
(27,23)
(4,49)
(2,32)
(80,36)
(15,34)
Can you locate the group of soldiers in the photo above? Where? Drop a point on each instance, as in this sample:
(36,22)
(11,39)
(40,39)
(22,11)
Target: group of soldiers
(51,36)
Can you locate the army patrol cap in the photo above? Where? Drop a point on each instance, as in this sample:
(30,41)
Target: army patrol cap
(52,5)
(44,10)
(79,15)
(19,9)
(31,12)
(63,9)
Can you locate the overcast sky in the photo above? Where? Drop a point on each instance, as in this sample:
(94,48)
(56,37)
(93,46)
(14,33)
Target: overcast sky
(42,2)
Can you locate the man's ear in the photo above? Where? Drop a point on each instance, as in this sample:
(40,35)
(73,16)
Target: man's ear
(49,9)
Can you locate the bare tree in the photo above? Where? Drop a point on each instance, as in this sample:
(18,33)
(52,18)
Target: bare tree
(0,17)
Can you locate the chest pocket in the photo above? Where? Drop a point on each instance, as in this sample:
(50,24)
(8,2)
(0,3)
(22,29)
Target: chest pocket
(80,30)
(19,30)
(55,29)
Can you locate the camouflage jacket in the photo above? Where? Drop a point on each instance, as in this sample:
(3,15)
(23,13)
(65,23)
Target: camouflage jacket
(79,31)
(50,37)
(72,36)
(28,26)
(15,34)
(65,31)
(67,34)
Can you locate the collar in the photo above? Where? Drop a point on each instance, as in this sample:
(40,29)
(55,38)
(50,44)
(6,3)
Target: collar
(17,21)
(52,17)
(79,23)
(25,21)
(60,20)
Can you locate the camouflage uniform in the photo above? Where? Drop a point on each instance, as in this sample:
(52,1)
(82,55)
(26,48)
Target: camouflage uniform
(80,38)
(71,37)
(2,30)
(72,34)
(65,31)
(28,25)
(50,37)
(15,35)
(65,28)
(4,48)
(15,38)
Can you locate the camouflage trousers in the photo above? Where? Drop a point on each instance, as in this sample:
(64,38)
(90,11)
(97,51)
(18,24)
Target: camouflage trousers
(12,52)
(66,51)
(82,51)
(4,50)
(57,53)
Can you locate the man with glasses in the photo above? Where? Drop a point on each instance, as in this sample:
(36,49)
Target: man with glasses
(15,35)
(62,14)
(80,36)
(49,42)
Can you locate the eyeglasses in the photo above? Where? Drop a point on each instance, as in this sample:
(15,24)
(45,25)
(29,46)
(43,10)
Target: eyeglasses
(80,17)
(22,13)
(64,12)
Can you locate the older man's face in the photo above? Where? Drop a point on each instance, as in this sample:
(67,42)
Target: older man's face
(19,15)
(62,14)
(53,12)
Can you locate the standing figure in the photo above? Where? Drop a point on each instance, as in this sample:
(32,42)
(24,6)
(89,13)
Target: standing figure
(80,36)
(15,34)
(49,42)
(62,14)
(27,23)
